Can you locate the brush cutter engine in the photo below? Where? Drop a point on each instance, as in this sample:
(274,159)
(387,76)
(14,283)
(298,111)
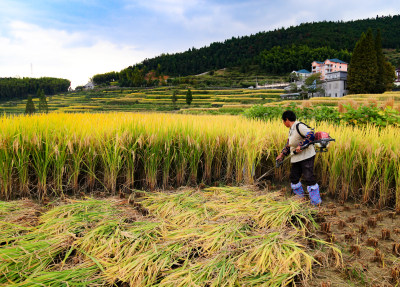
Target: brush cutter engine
(321,142)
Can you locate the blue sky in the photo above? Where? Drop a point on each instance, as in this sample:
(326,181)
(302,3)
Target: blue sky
(77,39)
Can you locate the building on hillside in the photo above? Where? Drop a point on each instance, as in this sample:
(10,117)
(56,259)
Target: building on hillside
(89,86)
(292,96)
(302,74)
(329,66)
(336,84)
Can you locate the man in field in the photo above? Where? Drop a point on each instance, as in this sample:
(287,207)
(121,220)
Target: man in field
(303,160)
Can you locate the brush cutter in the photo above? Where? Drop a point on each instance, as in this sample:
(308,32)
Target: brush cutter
(321,142)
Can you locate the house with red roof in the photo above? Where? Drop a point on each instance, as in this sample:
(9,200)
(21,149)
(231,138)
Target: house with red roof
(329,66)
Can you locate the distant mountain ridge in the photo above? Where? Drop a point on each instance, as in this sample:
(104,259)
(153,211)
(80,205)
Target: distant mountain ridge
(245,50)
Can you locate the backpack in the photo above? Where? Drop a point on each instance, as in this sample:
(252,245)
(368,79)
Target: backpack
(298,130)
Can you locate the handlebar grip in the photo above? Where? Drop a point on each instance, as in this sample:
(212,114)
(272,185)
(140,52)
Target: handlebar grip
(278,163)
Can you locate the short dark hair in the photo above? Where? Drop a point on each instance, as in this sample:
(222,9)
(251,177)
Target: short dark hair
(289,115)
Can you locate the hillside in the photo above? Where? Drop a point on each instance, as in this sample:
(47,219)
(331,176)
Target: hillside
(243,51)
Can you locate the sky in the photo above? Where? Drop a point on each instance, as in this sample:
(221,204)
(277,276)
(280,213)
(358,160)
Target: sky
(77,39)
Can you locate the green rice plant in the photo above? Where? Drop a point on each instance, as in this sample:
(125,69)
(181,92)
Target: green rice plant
(181,158)
(59,165)
(75,217)
(217,271)
(111,155)
(268,280)
(215,238)
(194,156)
(151,157)
(370,168)
(209,146)
(20,261)
(75,157)
(277,255)
(145,268)
(81,275)
(240,160)
(91,161)
(396,171)
(9,231)
(168,157)
(280,214)
(386,178)
(21,161)
(350,161)
(6,168)
(230,154)
(42,155)
(181,209)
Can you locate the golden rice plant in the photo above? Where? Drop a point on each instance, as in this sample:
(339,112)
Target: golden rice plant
(65,153)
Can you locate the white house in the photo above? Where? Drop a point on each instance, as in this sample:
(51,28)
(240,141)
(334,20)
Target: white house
(89,86)
(302,74)
(336,84)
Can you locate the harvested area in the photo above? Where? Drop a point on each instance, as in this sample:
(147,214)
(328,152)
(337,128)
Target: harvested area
(220,236)
(369,239)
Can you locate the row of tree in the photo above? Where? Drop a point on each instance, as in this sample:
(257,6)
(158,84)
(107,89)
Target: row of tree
(30,106)
(369,72)
(20,88)
(281,60)
(132,77)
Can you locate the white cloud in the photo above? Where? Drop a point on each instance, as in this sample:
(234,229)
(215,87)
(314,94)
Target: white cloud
(57,53)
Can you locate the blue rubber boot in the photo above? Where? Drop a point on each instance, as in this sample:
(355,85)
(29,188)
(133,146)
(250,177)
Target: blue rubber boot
(313,191)
(298,189)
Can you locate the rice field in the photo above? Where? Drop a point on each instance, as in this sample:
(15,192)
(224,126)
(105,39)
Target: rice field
(157,99)
(386,99)
(52,155)
(212,237)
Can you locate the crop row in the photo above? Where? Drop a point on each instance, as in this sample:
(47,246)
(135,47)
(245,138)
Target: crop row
(58,153)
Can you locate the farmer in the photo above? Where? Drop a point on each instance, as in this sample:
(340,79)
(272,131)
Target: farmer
(303,160)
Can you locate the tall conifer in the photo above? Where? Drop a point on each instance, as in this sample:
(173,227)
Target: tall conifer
(380,76)
(43,108)
(363,68)
(30,106)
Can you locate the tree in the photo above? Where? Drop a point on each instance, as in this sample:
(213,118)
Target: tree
(43,108)
(380,76)
(369,71)
(30,106)
(174,98)
(189,97)
(313,84)
(389,75)
(363,69)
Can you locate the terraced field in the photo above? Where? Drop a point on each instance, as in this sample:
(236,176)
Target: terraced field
(232,100)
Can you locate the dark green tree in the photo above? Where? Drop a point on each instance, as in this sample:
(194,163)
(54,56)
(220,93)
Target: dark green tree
(43,107)
(189,97)
(380,58)
(174,98)
(313,84)
(389,75)
(363,69)
(30,106)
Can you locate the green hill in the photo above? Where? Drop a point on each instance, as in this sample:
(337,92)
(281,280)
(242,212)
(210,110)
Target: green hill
(275,52)
(243,51)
